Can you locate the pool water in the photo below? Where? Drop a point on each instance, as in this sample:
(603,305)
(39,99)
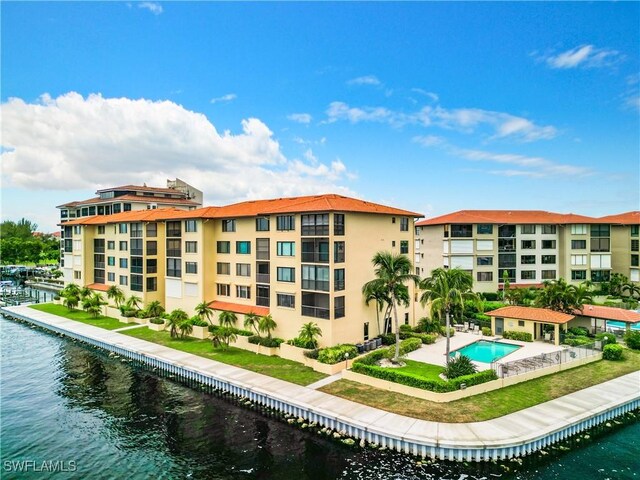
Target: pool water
(622,325)
(485,351)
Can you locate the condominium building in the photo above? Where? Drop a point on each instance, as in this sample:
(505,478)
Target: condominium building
(528,247)
(300,259)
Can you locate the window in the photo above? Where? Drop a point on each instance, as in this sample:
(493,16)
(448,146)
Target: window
(243,247)
(548,244)
(338,307)
(548,259)
(600,276)
(223,268)
(191,267)
(77,275)
(136,230)
(635,244)
(223,247)
(191,247)
(365,332)
(116,208)
(484,276)
(635,230)
(136,265)
(223,289)
(77,229)
(600,244)
(528,275)
(124,280)
(111,261)
(338,252)
(263,272)
(243,269)
(262,249)
(510,274)
(506,244)
(174,267)
(77,244)
(506,231)
(123,246)
(136,283)
(285,222)
(152,265)
(111,276)
(480,261)
(338,279)
(578,229)
(315,250)
(315,277)
(548,274)
(578,274)
(286,274)
(404,224)
(174,247)
(100,229)
(521,323)
(228,225)
(152,229)
(528,244)
(111,245)
(461,231)
(578,244)
(600,230)
(152,284)
(243,291)
(484,228)
(338,224)
(152,247)
(122,228)
(578,259)
(506,260)
(136,246)
(528,229)
(635,260)
(286,300)
(404,246)
(262,224)
(124,263)
(174,229)
(190,226)
(126,207)
(286,249)
(406,318)
(263,295)
(315,224)
(548,229)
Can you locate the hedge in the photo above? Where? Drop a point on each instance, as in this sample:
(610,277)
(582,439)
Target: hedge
(486,331)
(333,355)
(306,344)
(609,338)
(406,346)
(157,321)
(198,322)
(632,339)
(272,342)
(612,352)
(520,336)
(237,331)
(577,340)
(388,338)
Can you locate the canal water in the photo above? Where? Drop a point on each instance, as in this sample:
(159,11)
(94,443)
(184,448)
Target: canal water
(75,412)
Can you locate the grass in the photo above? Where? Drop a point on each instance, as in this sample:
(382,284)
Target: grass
(422,370)
(277,367)
(107,323)
(491,404)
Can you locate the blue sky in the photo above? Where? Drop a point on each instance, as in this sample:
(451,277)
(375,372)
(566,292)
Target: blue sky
(433,107)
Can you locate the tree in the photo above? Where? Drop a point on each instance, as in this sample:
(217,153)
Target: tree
(252,321)
(560,296)
(376,292)
(93,303)
(616,284)
(85,292)
(392,272)
(309,334)
(223,336)
(71,301)
(155,309)
(115,293)
(227,319)
(204,311)
(447,290)
(185,327)
(176,317)
(632,290)
(267,324)
(133,302)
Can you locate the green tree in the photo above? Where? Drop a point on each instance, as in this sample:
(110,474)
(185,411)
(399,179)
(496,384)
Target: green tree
(376,292)
(116,294)
(392,272)
(447,290)
(133,302)
(176,317)
(309,334)
(560,296)
(204,311)
(267,324)
(227,319)
(155,309)
(93,303)
(252,322)
(71,301)
(185,327)
(223,336)
(84,293)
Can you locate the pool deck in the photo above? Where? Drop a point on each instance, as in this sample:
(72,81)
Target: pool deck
(512,435)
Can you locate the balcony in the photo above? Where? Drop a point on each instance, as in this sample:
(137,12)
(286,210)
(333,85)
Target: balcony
(315,257)
(263,278)
(316,312)
(321,285)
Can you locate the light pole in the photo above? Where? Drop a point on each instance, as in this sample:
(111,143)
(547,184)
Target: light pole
(346,360)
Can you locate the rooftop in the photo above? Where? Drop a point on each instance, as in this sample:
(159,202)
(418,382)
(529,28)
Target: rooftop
(238,308)
(509,217)
(544,315)
(628,218)
(609,313)
(131,198)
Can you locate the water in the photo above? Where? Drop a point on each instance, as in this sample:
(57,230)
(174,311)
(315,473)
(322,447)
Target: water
(485,351)
(61,401)
(622,325)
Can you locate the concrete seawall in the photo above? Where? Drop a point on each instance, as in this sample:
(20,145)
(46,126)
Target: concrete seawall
(512,435)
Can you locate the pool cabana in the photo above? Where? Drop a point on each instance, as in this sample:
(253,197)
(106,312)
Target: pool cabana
(530,320)
(595,317)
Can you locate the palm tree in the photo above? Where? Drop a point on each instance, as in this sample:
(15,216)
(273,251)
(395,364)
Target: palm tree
(560,296)
(447,290)
(267,324)
(204,311)
(93,304)
(223,336)
(155,309)
(70,301)
(252,321)
(176,317)
(114,292)
(133,302)
(392,272)
(227,319)
(71,289)
(186,327)
(85,292)
(309,334)
(374,292)
(632,289)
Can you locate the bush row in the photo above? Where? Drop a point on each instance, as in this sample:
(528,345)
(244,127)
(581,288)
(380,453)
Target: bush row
(272,342)
(632,339)
(577,340)
(237,331)
(520,336)
(333,355)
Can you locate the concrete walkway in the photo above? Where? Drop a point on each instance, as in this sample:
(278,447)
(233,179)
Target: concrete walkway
(128,328)
(325,381)
(511,435)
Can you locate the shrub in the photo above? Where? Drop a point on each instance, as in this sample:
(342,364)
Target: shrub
(333,355)
(608,338)
(405,328)
(388,338)
(426,338)
(298,342)
(578,331)
(443,331)
(612,352)
(426,325)
(577,340)
(198,322)
(313,354)
(244,333)
(406,346)
(632,339)
(520,336)
(486,331)
(129,313)
(157,321)
(490,296)
(460,366)
(272,342)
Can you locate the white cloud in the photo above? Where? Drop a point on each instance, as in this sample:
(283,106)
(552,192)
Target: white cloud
(153,7)
(342,111)
(300,117)
(433,96)
(224,98)
(428,140)
(71,142)
(583,56)
(366,80)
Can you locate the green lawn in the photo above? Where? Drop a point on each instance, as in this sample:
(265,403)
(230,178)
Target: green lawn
(491,404)
(107,323)
(277,367)
(422,370)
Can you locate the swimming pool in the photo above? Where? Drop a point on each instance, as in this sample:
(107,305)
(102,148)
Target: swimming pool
(486,351)
(622,325)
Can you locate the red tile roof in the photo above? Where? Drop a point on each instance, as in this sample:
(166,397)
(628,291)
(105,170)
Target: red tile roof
(132,216)
(609,313)
(628,218)
(530,313)
(98,286)
(141,188)
(508,217)
(238,308)
(130,198)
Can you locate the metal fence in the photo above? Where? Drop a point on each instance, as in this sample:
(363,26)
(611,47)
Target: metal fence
(529,364)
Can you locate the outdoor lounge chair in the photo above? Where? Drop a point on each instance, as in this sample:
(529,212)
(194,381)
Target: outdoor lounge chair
(476,329)
(465,327)
(547,337)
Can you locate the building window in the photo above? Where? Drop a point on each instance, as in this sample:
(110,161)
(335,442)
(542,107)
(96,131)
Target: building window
(77,275)
(136,265)
(124,263)
(338,307)
(191,267)
(635,244)
(190,226)
(549,229)
(600,244)
(315,305)
(481,261)
(286,249)
(262,224)
(528,229)
(528,275)
(152,247)
(286,274)
(635,259)
(404,246)
(286,222)
(338,223)
(521,323)
(136,246)
(124,280)
(338,279)
(223,247)
(101,229)
(228,225)
(484,228)
(506,244)
(174,247)
(111,276)
(507,260)
(111,245)
(174,229)
(578,259)
(136,230)
(578,244)
(548,259)
(528,244)
(126,207)
(315,250)
(123,246)
(77,229)
(136,283)
(191,247)
(315,277)
(484,276)
(365,332)
(223,268)
(152,284)
(152,230)
(243,291)
(111,261)
(263,294)
(223,289)
(122,228)
(461,231)
(116,208)
(315,224)
(262,249)
(548,274)
(152,265)
(578,274)
(506,231)
(243,247)
(548,244)
(600,230)
(600,276)
(286,300)
(404,224)
(509,273)
(174,267)
(338,252)
(578,229)
(243,269)
(635,230)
